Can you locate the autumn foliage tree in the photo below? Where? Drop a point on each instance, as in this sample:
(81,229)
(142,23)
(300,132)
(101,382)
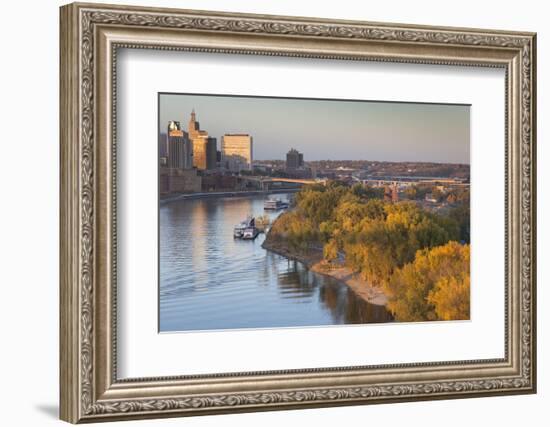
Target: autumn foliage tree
(435,286)
(391,238)
(451,298)
(413,254)
(295,230)
(330,250)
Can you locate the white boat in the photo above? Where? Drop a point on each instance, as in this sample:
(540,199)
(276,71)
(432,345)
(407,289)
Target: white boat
(239,229)
(275,204)
(250,233)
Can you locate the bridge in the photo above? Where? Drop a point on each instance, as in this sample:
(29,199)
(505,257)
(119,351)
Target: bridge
(266,182)
(413,180)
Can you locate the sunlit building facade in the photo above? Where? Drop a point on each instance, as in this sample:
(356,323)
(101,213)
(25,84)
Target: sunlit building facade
(204,146)
(237,152)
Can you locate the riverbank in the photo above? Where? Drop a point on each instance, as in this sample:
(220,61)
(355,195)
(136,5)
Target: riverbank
(314,261)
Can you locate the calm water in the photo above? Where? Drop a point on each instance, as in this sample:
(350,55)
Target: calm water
(209,280)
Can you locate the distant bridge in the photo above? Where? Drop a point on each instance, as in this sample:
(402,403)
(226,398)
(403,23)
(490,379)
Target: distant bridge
(411,180)
(265,182)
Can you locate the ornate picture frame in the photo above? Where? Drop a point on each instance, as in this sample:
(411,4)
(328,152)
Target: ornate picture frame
(90,37)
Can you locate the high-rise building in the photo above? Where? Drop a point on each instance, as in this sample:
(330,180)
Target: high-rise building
(204,146)
(179,153)
(163,144)
(204,153)
(295,166)
(294,159)
(195,127)
(237,153)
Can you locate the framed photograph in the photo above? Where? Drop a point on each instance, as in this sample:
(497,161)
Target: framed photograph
(266,212)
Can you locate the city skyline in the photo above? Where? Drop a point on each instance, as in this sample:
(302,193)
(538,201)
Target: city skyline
(365,130)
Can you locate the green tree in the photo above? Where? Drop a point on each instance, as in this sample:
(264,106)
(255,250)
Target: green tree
(367,192)
(416,192)
(318,206)
(461,214)
(294,229)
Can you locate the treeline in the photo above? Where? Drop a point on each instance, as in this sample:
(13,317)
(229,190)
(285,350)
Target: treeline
(419,258)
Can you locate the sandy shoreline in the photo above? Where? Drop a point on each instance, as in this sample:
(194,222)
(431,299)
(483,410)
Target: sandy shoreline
(314,261)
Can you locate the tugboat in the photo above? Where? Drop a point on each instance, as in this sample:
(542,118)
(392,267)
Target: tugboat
(239,229)
(275,204)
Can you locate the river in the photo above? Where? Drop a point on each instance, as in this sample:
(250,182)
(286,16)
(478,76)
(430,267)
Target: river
(209,280)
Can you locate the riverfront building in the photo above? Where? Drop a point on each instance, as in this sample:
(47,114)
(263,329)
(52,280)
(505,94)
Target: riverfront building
(178,148)
(177,174)
(204,146)
(179,181)
(237,151)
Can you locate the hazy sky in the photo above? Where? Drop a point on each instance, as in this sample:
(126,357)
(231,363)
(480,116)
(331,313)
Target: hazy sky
(336,130)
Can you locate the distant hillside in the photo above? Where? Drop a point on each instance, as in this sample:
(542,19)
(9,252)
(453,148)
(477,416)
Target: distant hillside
(376,168)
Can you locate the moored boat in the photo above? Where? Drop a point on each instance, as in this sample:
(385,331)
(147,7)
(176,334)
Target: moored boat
(239,229)
(275,204)
(250,233)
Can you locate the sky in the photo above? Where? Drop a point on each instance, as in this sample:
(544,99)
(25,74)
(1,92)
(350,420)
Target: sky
(330,129)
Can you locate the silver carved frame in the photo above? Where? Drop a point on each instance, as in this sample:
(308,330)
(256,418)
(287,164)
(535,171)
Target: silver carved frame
(90,36)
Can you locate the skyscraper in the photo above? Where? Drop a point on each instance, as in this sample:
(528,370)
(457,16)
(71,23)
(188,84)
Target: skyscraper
(204,153)
(204,146)
(237,152)
(178,147)
(294,159)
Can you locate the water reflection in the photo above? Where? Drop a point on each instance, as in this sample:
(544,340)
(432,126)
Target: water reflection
(208,280)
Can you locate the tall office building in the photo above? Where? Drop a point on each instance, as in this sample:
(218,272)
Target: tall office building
(179,153)
(237,151)
(294,159)
(204,146)
(204,153)
(295,166)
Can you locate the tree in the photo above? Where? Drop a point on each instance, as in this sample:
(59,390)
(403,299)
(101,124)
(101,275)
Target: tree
(461,214)
(416,192)
(327,230)
(318,206)
(330,250)
(367,192)
(435,286)
(411,192)
(378,237)
(349,212)
(451,298)
(411,253)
